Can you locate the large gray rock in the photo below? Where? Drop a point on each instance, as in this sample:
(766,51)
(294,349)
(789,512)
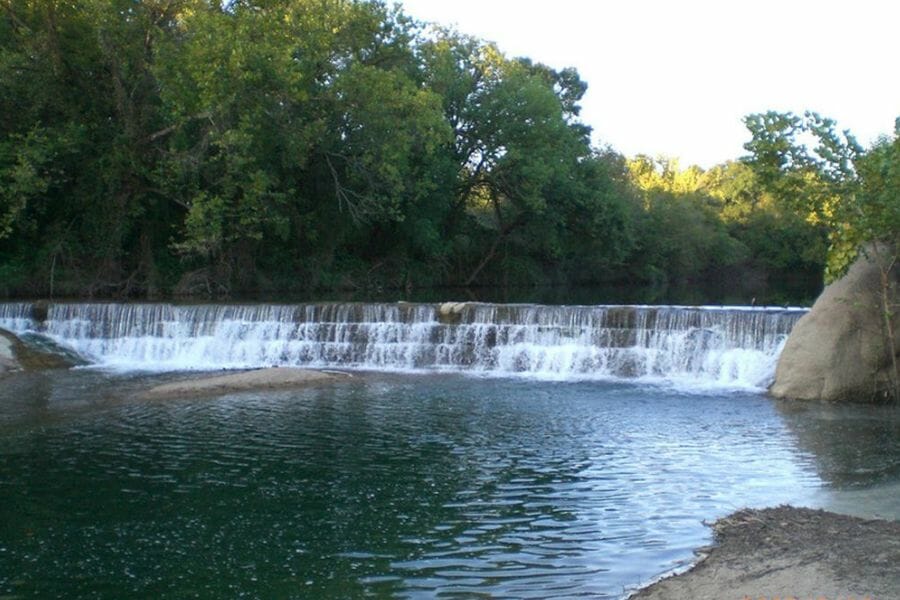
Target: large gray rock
(22,354)
(8,360)
(837,351)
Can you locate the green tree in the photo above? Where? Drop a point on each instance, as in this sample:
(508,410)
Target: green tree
(516,143)
(781,242)
(311,131)
(81,94)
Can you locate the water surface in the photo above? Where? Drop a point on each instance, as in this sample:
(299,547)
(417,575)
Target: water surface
(506,451)
(395,485)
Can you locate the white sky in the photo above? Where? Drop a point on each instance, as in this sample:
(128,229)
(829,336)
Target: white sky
(675,77)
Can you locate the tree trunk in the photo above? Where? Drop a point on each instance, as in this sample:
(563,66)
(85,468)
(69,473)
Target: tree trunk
(492,251)
(887,314)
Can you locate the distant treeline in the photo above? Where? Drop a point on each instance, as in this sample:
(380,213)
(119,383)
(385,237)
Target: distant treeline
(280,146)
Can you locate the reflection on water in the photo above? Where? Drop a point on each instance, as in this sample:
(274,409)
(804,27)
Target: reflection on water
(384,485)
(856,452)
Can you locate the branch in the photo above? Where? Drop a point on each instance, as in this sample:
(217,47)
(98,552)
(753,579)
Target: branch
(492,251)
(17,22)
(167,130)
(344,194)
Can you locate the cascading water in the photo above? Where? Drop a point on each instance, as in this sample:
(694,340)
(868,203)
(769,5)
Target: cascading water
(16,316)
(695,345)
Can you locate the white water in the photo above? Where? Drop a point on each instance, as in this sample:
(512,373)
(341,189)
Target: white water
(16,316)
(689,346)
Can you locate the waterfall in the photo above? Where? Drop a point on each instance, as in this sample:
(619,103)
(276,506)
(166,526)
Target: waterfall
(16,316)
(696,345)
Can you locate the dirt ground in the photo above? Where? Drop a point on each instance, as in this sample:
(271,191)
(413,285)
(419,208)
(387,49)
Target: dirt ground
(791,553)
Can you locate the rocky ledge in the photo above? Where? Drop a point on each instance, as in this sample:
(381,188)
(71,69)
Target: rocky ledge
(789,552)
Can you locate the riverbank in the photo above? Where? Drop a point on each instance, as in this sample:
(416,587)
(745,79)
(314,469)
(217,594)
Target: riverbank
(789,552)
(256,380)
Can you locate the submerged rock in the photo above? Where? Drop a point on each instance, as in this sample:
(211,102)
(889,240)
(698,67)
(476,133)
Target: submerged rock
(40,311)
(837,351)
(259,379)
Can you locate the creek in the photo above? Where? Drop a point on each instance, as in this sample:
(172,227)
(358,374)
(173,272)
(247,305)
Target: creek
(499,450)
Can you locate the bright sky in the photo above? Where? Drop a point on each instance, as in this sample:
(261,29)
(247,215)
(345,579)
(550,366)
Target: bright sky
(675,77)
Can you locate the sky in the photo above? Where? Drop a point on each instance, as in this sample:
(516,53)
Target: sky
(675,77)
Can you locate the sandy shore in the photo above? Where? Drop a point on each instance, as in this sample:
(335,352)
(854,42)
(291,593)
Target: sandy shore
(260,379)
(791,553)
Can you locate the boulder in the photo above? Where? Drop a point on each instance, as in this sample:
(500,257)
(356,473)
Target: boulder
(40,311)
(837,351)
(25,354)
(450,313)
(8,360)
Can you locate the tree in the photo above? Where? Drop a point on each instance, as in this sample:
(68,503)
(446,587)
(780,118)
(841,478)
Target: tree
(516,139)
(781,242)
(312,131)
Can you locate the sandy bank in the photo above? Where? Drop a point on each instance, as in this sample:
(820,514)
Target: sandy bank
(788,552)
(260,379)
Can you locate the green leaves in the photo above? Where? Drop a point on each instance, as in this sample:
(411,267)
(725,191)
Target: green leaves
(825,176)
(24,162)
(385,127)
(308,142)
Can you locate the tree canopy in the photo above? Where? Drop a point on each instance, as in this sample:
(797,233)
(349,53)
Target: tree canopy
(825,176)
(269,146)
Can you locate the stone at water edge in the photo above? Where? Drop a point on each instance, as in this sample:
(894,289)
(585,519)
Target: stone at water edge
(19,355)
(40,311)
(836,352)
(450,313)
(8,360)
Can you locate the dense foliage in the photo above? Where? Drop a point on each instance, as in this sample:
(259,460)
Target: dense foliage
(827,177)
(207,148)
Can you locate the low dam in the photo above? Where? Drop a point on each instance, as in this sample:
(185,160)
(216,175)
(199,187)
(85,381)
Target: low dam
(728,346)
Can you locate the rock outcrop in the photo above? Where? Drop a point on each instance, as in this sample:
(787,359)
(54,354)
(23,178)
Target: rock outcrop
(837,351)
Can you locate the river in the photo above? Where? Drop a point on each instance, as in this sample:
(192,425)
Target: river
(547,462)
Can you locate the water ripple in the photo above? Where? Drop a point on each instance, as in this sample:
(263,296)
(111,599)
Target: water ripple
(388,486)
